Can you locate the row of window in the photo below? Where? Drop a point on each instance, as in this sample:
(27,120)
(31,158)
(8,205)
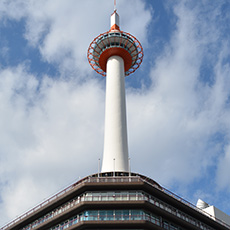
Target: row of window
(115,215)
(109,44)
(122,35)
(117,196)
(88,196)
(105,42)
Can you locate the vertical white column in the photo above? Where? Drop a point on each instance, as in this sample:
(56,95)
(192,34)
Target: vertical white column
(115,136)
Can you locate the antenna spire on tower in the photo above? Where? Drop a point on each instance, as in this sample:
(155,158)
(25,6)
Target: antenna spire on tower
(115,5)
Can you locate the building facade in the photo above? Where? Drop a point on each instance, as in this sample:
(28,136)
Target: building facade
(116,200)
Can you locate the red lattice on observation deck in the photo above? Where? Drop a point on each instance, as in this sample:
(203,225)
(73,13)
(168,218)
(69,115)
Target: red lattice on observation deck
(112,43)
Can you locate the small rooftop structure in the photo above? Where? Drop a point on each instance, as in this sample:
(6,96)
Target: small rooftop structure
(213,211)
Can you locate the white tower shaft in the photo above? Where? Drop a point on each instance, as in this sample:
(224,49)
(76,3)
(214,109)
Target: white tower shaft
(115,156)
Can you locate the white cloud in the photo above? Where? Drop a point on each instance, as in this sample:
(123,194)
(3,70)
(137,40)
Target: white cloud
(49,132)
(52,129)
(179,115)
(64,31)
(223,170)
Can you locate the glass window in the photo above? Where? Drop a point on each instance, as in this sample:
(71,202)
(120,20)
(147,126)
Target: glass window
(132,195)
(124,195)
(111,195)
(92,215)
(88,196)
(109,214)
(104,196)
(66,225)
(102,215)
(118,214)
(173,227)
(75,220)
(125,214)
(165,225)
(136,214)
(96,196)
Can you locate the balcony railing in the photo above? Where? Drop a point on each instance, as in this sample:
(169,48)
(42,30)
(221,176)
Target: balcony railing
(118,196)
(122,179)
(68,189)
(80,218)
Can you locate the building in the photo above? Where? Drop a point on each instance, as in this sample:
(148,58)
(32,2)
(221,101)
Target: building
(116,201)
(116,198)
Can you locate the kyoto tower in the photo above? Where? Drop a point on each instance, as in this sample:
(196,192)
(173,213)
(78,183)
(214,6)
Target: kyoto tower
(115,198)
(115,54)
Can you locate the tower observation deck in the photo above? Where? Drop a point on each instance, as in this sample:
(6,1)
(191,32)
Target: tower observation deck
(115,43)
(115,54)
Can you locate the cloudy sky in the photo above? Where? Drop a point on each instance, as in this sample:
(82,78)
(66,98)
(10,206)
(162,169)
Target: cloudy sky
(52,102)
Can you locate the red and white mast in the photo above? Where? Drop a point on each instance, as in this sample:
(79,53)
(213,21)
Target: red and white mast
(115,54)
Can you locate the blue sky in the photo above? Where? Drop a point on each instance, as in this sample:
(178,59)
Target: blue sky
(52,102)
